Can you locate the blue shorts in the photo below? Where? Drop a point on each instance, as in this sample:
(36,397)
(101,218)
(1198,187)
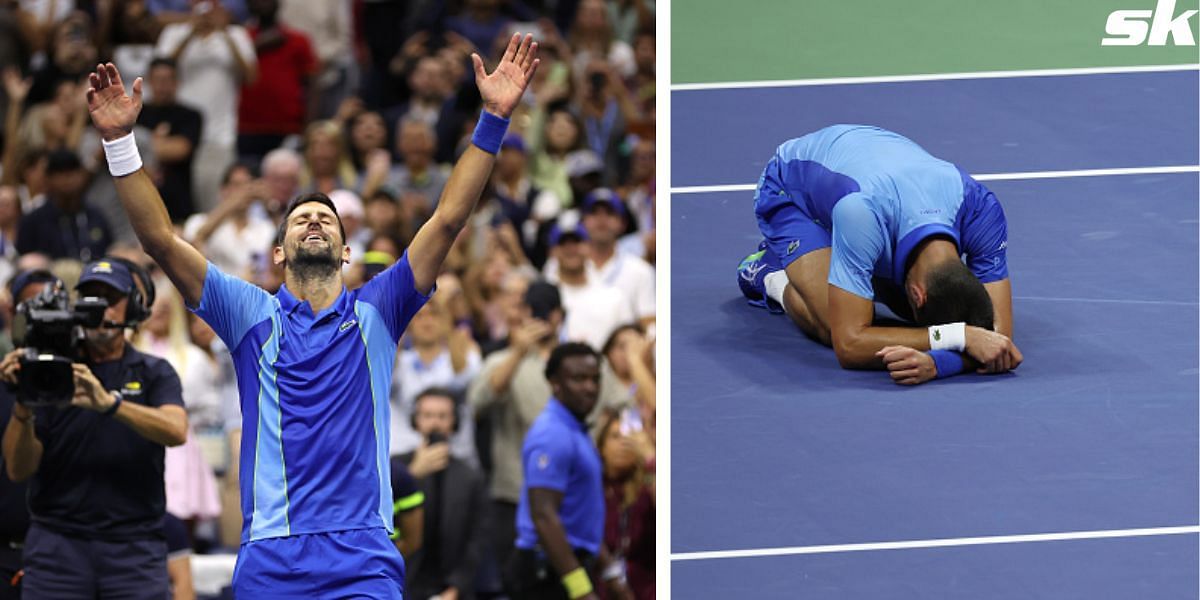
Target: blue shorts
(359,563)
(787,227)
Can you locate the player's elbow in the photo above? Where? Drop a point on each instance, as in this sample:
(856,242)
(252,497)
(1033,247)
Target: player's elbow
(849,352)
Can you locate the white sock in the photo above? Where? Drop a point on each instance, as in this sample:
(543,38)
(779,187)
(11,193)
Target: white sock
(775,284)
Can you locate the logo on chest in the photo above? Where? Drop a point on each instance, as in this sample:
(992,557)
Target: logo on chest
(347,325)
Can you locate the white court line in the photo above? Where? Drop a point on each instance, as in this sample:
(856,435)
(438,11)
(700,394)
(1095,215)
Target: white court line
(936,543)
(731,85)
(1106,300)
(749,187)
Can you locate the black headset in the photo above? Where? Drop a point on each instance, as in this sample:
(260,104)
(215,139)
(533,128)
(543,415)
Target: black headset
(137,310)
(437,391)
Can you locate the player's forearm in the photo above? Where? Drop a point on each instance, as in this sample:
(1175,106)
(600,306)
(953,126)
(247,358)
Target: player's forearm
(147,213)
(856,349)
(464,188)
(160,425)
(22,449)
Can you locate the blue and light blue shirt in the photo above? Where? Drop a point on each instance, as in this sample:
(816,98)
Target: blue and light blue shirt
(880,194)
(314,396)
(559,455)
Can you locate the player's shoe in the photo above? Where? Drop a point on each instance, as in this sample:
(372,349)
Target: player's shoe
(751,274)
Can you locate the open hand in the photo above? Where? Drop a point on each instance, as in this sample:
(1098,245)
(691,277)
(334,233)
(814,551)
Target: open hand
(501,91)
(14,86)
(113,111)
(907,366)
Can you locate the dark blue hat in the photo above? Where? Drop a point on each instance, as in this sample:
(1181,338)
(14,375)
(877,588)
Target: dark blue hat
(109,272)
(603,196)
(24,279)
(557,233)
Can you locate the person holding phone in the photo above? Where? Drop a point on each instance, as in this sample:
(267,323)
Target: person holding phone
(455,504)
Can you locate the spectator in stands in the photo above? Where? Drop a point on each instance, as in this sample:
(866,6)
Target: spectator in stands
(215,58)
(281,169)
(368,151)
(594,307)
(72,52)
(177,131)
(280,101)
(455,533)
(629,504)
(481,23)
(10,220)
(604,220)
(330,27)
(418,180)
(520,200)
(66,226)
(429,103)
(630,357)
(327,165)
(233,234)
(592,38)
(441,355)
(638,192)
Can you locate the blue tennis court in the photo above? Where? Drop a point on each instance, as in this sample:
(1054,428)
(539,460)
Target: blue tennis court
(1077,476)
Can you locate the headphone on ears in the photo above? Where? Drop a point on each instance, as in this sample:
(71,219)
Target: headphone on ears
(137,310)
(445,393)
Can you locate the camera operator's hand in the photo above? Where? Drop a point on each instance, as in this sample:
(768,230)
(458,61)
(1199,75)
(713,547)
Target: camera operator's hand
(11,365)
(89,392)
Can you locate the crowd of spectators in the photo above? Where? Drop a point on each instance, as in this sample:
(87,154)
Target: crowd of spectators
(249,103)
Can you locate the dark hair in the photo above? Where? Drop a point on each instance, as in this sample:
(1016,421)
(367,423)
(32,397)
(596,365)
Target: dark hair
(234,168)
(952,295)
(565,351)
(612,337)
(317,197)
(162,62)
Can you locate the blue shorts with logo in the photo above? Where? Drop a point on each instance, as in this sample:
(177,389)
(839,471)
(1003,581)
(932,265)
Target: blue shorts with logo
(787,227)
(358,563)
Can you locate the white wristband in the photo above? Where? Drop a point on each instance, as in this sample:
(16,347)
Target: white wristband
(952,336)
(123,157)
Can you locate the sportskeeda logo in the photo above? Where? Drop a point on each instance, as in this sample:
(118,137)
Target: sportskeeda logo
(1130,27)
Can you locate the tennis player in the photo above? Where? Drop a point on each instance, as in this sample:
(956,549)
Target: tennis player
(314,361)
(852,215)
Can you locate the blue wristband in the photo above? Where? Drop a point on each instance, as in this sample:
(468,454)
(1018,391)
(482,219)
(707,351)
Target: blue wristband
(489,132)
(948,362)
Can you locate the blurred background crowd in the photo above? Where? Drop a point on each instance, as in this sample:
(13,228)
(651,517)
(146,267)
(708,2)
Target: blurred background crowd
(249,103)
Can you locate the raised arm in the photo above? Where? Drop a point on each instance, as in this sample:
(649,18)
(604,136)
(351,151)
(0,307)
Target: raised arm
(114,114)
(501,92)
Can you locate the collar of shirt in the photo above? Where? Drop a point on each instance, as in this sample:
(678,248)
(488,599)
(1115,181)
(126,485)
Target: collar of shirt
(290,304)
(562,414)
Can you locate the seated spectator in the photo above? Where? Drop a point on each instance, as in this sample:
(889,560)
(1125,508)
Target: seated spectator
(630,357)
(455,504)
(281,170)
(86,234)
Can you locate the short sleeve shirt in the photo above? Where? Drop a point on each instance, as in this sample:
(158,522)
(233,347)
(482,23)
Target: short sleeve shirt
(314,397)
(880,194)
(559,455)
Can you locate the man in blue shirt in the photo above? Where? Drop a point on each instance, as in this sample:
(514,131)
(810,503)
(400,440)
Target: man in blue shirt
(852,215)
(313,361)
(560,517)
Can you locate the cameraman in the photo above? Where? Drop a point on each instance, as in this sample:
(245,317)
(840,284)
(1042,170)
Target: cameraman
(97,496)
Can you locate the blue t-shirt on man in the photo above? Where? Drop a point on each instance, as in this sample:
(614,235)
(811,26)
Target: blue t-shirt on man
(314,395)
(873,195)
(559,455)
